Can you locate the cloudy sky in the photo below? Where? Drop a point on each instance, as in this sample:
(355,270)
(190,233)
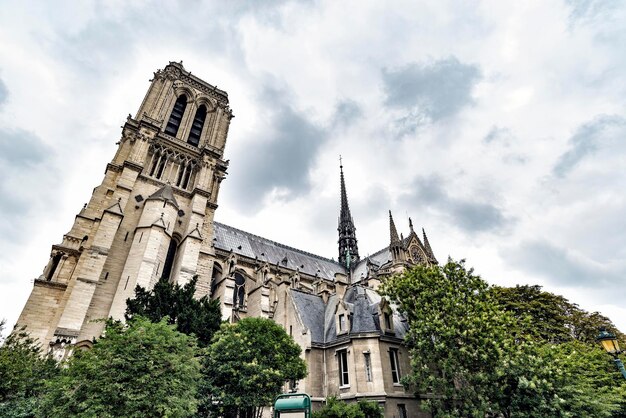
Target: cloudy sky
(500,127)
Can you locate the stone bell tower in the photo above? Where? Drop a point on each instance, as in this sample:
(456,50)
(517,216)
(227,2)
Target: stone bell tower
(151,216)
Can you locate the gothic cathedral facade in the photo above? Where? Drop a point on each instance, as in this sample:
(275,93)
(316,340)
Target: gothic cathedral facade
(152,217)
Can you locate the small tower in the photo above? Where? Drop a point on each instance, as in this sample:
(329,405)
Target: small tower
(348,249)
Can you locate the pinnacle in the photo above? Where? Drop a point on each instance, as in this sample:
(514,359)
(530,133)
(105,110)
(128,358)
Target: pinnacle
(393,232)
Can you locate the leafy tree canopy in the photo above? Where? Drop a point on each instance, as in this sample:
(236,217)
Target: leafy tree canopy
(456,336)
(480,354)
(23,372)
(141,369)
(546,317)
(200,317)
(335,408)
(247,364)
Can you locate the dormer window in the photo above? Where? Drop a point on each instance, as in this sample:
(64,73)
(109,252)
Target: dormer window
(386,317)
(196,127)
(388,321)
(176,116)
(342,319)
(342,323)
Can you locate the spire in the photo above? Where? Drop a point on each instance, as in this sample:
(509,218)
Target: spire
(348,249)
(393,232)
(429,251)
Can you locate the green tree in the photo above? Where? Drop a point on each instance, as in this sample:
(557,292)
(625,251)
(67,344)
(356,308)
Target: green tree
(545,317)
(469,353)
(23,372)
(246,366)
(141,369)
(335,408)
(200,317)
(457,336)
(570,379)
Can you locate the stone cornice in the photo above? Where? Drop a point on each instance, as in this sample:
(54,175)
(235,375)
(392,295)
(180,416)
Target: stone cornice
(51,285)
(175,71)
(66,250)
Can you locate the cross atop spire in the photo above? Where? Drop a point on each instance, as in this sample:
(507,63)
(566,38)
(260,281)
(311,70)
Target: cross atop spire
(348,249)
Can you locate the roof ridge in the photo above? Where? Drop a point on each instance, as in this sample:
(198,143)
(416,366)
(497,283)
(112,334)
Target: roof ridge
(279,244)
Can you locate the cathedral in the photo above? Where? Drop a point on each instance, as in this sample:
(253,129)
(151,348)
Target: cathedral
(153,216)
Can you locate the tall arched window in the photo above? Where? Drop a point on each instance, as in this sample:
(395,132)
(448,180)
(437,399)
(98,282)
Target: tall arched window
(169,259)
(177,115)
(216,276)
(196,127)
(239,292)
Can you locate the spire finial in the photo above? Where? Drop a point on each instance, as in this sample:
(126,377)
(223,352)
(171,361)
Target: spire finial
(411,224)
(347,235)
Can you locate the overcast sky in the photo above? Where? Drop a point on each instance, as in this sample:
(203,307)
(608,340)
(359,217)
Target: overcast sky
(499,127)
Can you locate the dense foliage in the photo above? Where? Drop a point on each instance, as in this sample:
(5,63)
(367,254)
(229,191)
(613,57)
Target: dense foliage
(23,373)
(141,369)
(544,316)
(481,353)
(334,408)
(200,317)
(247,365)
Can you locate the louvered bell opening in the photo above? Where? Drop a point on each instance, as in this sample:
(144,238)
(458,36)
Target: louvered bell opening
(196,127)
(177,116)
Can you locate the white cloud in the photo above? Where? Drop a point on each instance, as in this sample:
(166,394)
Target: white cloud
(506,139)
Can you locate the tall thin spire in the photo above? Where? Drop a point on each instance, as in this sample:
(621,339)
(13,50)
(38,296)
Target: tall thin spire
(348,249)
(393,232)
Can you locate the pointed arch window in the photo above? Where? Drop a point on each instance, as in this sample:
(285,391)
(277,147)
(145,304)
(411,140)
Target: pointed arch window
(239,292)
(196,127)
(177,115)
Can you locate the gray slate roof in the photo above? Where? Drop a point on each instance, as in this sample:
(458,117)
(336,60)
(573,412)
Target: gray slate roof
(164,193)
(362,302)
(244,243)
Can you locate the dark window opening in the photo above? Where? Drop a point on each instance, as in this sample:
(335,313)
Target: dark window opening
(177,115)
(215,277)
(342,358)
(239,292)
(55,263)
(186,180)
(169,259)
(196,127)
(155,163)
(181,172)
(161,168)
(402,410)
(395,370)
(387,320)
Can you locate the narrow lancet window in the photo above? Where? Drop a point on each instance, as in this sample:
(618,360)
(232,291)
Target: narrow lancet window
(53,267)
(169,259)
(177,115)
(196,127)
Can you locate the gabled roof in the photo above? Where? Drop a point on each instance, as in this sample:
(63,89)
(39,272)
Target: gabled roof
(319,317)
(246,244)
(164,193)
